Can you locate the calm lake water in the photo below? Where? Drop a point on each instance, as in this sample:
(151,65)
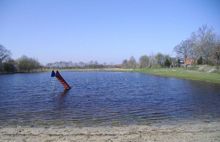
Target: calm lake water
(105,98)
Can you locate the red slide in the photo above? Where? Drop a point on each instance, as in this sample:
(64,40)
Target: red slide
(60,78)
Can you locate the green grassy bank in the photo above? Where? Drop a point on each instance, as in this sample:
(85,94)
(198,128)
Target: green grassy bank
(167,72)
(183,73)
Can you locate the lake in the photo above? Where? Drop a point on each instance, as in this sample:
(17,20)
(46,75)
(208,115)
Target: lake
(105,98)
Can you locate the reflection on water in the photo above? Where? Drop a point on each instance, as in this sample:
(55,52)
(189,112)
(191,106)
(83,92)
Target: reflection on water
(61,99)
(105,98)
(63,94)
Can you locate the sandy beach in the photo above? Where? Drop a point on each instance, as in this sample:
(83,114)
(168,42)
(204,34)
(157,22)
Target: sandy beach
(187,132)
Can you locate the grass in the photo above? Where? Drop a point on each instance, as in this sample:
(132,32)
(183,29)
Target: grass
(183,73)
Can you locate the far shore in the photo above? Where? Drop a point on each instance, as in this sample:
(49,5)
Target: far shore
(184,132)
(181,73)
(73,69)
(94,69)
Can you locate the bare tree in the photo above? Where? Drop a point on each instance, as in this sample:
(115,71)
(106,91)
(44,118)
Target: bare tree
(160,59)
(216,53)
(204,43)
(4,53)
(152,60)
(125,63)
(144,61)
(132,63)
(184,49)
(201,45)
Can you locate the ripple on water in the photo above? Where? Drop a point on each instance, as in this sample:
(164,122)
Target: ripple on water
(105,98)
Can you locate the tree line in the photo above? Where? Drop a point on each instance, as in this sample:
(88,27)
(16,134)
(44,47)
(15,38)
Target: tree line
(158,60)
(22,64)
(79,65)
(202,47)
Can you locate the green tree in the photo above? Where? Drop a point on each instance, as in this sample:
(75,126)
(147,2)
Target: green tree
(178,62)
(27,64)
(9,66)
(167,63)
(200,61)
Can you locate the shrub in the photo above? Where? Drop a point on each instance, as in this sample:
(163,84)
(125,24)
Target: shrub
(167,63)
(200,61)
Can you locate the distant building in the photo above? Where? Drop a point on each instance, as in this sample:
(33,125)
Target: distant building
(189,61)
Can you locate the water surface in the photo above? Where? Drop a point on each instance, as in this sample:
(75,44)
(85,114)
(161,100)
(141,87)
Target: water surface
(105,98)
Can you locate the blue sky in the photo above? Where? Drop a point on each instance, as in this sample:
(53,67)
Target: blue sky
(103,30)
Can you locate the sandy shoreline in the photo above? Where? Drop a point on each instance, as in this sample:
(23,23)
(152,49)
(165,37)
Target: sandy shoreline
(201,132)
